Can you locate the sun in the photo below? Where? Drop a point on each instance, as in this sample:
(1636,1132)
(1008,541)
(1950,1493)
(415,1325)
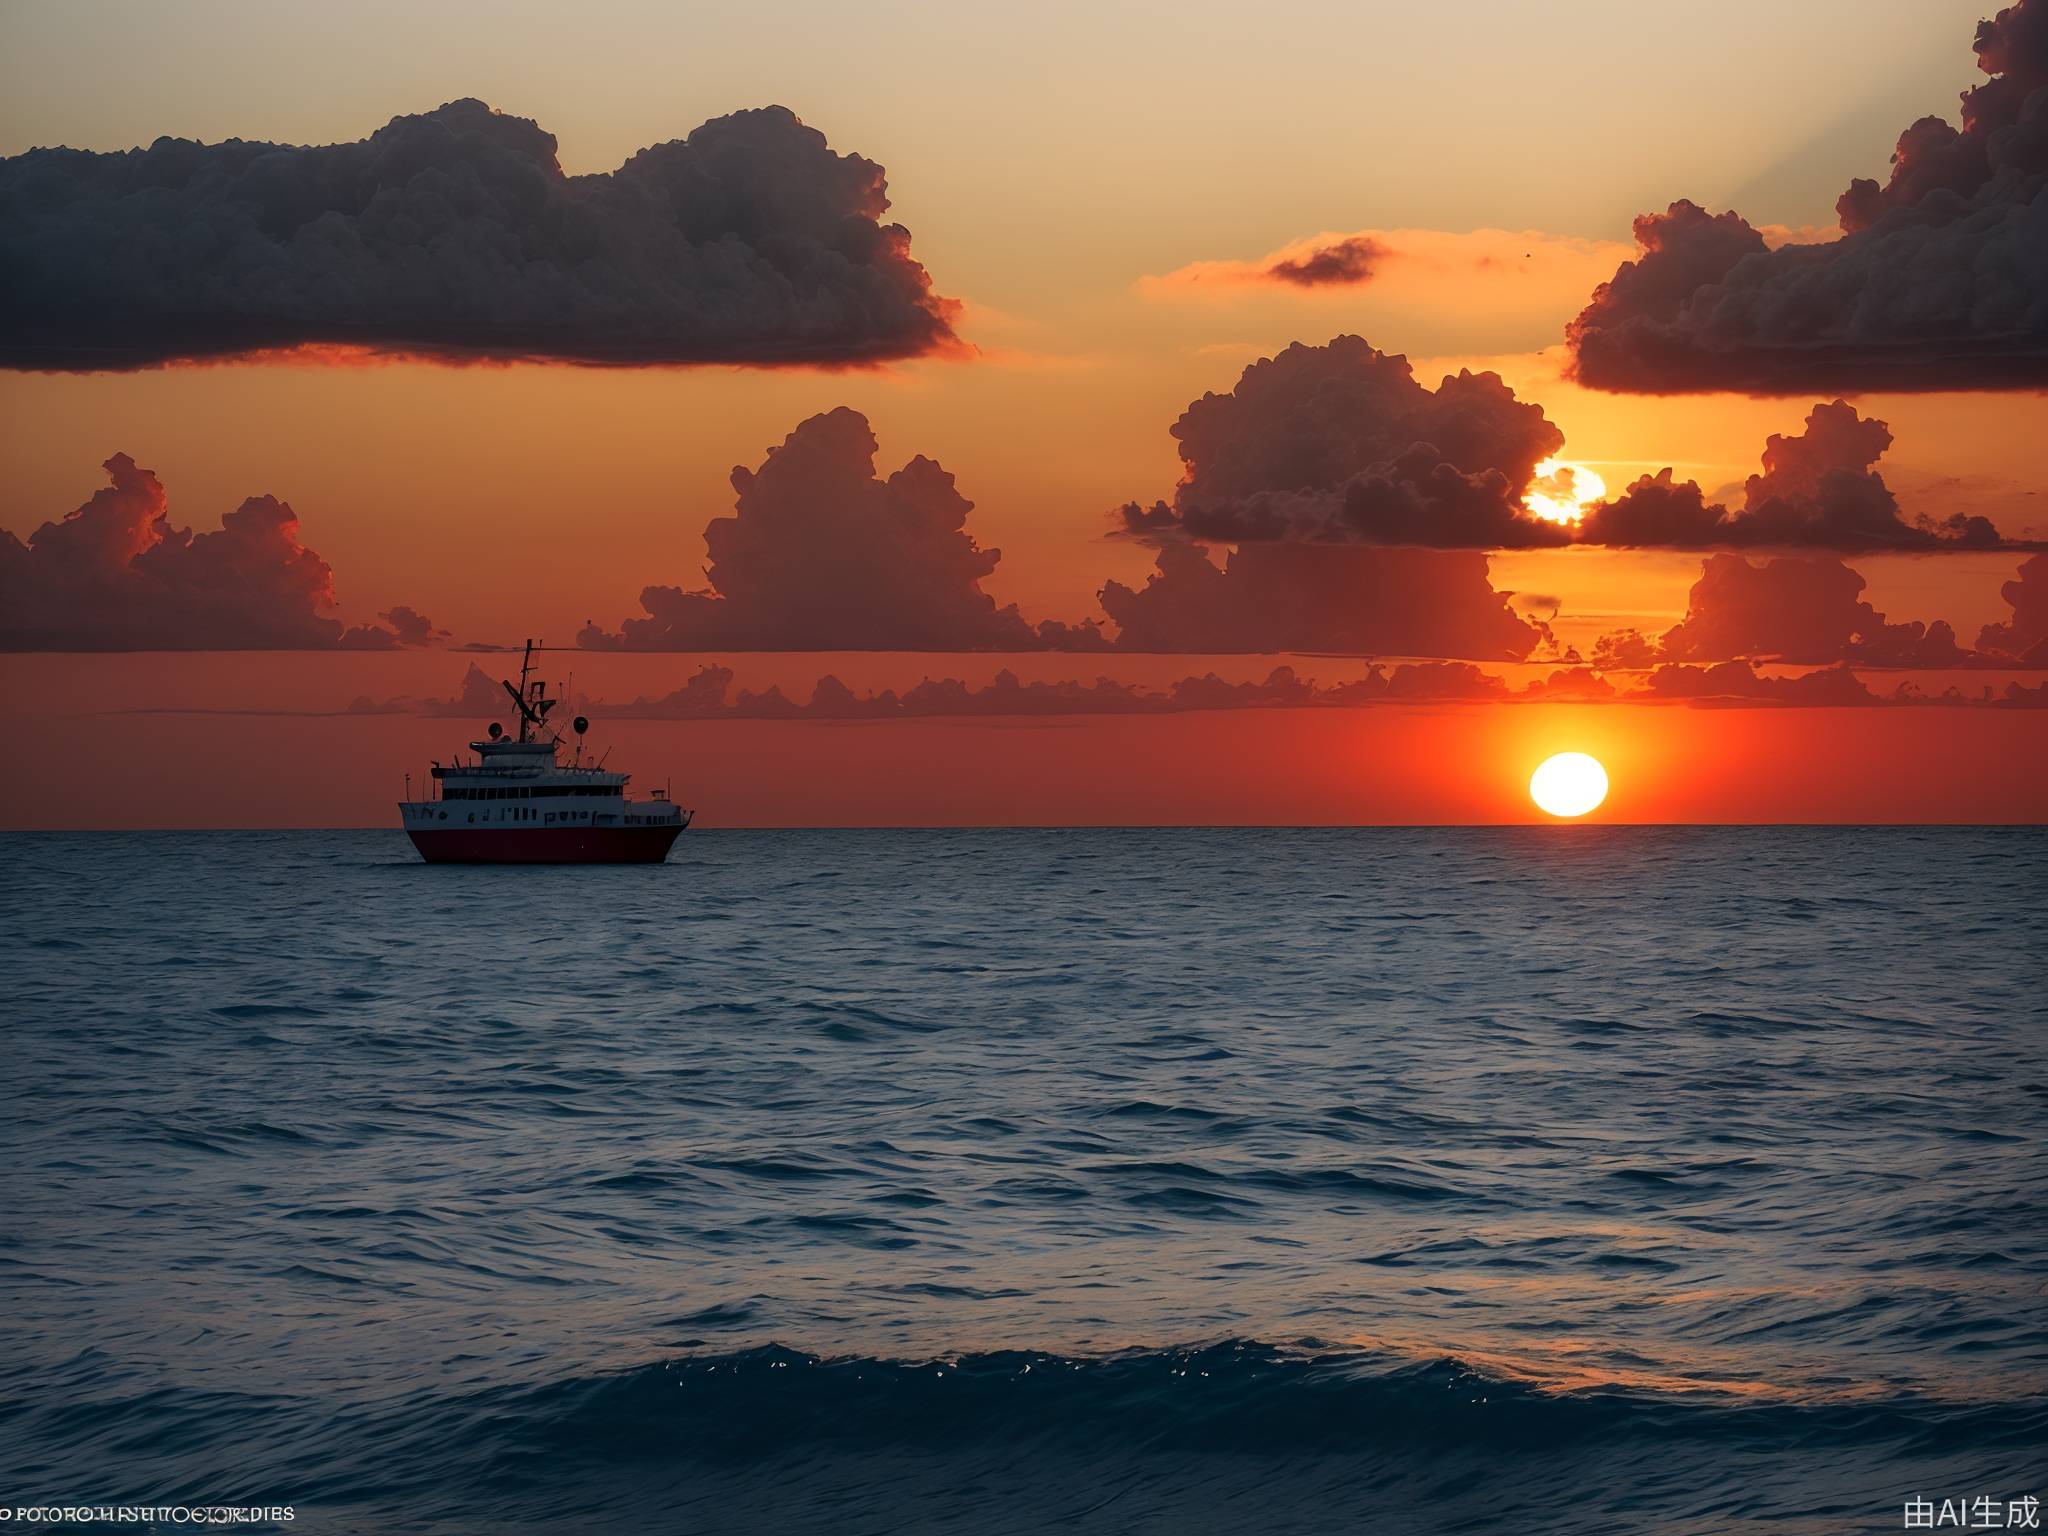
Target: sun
(1562,491)
(1569,784)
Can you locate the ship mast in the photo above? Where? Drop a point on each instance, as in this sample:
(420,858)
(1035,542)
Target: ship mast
(529,699)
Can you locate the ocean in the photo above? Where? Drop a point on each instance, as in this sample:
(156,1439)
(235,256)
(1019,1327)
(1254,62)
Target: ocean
(1541,1179)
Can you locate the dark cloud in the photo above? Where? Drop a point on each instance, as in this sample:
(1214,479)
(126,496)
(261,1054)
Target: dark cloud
(1572,685)
(114,575)
(1739,682)
(1939,281)
(480,696)
(1351,260)
(710,694)
(822,554)
(1794,609)
(1340,444)
(1819,489)
(1624,650)
(1300,597)
(411,626)
(2025,635)
(1315,456)
(1934,157)
(455,233)
(1656,511)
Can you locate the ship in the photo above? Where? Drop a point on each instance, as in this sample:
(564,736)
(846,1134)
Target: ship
(518,802)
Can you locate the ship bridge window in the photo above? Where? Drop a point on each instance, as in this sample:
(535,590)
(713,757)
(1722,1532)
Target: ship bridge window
(538,791)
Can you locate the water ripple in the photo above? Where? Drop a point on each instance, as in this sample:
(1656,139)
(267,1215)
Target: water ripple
(1625,1179)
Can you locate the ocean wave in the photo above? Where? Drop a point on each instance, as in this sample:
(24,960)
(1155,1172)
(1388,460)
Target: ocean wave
(1615,1204)
(1241,1396)
(1236,1435)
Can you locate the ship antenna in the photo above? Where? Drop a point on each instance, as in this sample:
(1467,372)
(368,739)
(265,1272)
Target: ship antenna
(530,716)
(525,668)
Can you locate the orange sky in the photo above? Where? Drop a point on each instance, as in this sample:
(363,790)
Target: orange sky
(1083,181)
(507,499)
(1389,763)
(1454,764)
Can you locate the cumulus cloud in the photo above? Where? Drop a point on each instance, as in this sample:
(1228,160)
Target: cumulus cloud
(455,233)
(1819,489)
(823,554)
(479,696)
(1583,685)
(1341,444)
(1738,684)
(1738,681)
(1357,500)
(1793,609)
(2024,636)
(114,575)
(1936,282)
(1624,650)
(1298,597)
(412,627)
(1932,156)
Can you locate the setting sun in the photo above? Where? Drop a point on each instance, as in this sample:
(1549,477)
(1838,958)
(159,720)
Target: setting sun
(1562,491)
(1569,784)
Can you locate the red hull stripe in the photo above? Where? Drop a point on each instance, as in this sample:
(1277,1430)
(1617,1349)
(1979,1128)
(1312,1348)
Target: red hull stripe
(544,845)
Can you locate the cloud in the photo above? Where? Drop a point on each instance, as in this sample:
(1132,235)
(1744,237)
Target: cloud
(1738,684)
(1298,597)
(2025,635)
(1819,489)
(1935,283)
(1584,685)
(1738,681)
(1624,650)
(1314,417)
(412,627)
(1933,157)
(1495,276)
(1792,609)
(822,554)
(1319,262)
(1810,610)
(1347,261)
(1314,454)
(1340,444)
(114,575)
(480,695)
(710,695)
(454,234)
(1656,511)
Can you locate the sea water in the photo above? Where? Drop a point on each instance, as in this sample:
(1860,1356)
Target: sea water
(1545,1179)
